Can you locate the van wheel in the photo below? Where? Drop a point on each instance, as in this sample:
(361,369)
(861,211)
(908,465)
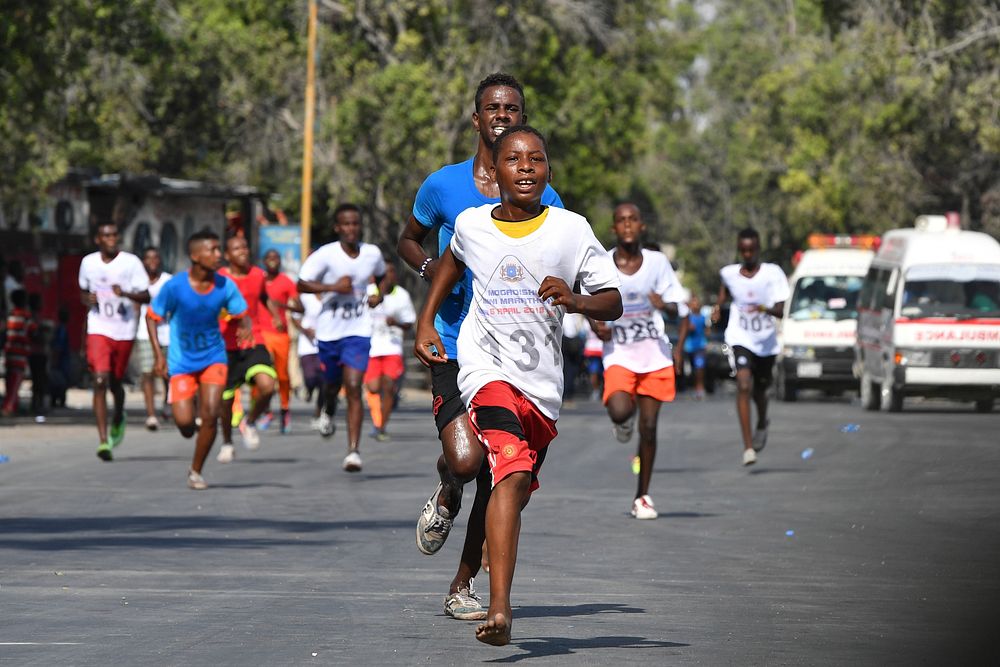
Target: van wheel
(786,391)
(984,405)
(892,398)
(869,393)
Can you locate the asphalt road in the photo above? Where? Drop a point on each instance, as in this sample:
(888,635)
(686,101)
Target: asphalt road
(881,547)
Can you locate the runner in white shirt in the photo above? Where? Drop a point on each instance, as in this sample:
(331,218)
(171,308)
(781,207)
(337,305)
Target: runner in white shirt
(638,362)
(308,353)
(344,274)
(157,279)
(385,363)
(758,292)
(112,284)
(523,257)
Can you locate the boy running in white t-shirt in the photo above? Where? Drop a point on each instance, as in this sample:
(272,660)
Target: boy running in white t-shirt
(758,292)
(638,364)
(112,285)
(523,257)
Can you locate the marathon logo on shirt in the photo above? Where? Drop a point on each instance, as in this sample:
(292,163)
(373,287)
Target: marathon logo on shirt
(511,297)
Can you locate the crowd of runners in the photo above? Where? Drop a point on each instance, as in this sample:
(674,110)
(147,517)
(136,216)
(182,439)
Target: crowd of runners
(512,274)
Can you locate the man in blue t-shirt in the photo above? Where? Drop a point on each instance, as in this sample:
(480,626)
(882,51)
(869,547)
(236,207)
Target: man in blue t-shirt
(193,301)
(444,194)
(695,344)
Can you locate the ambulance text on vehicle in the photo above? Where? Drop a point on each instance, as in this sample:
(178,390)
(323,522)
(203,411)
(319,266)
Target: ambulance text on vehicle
(929,317)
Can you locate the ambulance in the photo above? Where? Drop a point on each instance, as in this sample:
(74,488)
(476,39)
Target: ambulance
(820,320)
(929,317)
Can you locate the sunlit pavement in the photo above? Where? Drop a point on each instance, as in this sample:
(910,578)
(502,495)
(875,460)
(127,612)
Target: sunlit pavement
(857,538)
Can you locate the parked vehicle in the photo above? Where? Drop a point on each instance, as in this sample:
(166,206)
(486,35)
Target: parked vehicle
(820,321)
(929,317)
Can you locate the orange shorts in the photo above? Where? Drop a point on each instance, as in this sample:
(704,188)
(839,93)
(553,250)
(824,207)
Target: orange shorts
(390,364)
(185,385)
(514,433)
(658,384)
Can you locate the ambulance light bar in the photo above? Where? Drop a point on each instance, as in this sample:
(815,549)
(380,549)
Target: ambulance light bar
(855,241)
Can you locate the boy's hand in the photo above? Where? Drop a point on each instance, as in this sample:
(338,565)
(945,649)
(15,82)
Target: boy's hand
(117,289)
(91,299)
(160,367)
(559,292)
(428,346)
(602,331)
(343,285)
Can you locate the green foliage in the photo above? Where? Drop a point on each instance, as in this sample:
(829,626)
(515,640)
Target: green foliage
(790,115)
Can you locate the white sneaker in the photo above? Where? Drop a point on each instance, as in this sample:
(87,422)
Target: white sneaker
(326,425)
(251,439)
(152,423)
(623,432)
(352,462)
(196,481)
(226,454)
(643,508)
(749,457)
(315,423)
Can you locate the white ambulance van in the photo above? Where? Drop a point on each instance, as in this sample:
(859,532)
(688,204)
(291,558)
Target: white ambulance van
(929,317)
(818,329)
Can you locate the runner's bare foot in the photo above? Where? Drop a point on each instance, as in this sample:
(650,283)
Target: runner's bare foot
(485,561)
(495,631)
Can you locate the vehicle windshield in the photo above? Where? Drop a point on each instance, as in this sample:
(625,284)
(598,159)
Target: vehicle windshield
(826,298)
(964,291)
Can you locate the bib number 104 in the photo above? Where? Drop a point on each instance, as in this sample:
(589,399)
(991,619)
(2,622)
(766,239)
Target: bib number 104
(527,357)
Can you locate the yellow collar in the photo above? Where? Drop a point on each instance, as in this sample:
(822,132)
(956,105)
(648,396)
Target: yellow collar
(518,230)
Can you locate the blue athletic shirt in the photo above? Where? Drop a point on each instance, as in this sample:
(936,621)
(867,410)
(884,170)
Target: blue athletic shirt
(442,196)
(195,338)
(695,340)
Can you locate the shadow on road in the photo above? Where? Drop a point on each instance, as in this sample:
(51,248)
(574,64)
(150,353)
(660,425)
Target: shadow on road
(561,611)
(543,647)
(768,471)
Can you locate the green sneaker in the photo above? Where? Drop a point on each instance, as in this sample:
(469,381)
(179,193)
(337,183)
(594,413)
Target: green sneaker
(117,433)
(104,451)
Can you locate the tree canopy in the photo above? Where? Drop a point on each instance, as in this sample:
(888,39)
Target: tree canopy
(792,116)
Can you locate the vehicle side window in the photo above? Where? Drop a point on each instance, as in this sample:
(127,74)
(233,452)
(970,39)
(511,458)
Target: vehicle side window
(891,288)
(879,297)
(865,298)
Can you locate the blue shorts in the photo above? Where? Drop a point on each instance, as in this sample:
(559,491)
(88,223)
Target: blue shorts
(351,351)
(697,358)
(595,365)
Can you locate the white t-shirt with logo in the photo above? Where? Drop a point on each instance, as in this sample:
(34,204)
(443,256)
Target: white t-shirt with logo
(748,327)
(638,339)
(344,315)
(116,317)
(510,335)
(312,307)
(162,327)
(388,340)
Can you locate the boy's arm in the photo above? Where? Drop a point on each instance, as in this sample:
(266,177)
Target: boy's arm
(428,346)
(717,308)
(159,363)
(411,248)
(604,304)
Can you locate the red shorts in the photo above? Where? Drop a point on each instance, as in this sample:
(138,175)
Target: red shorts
(391,365)
(658,384)
(185,385)
(512,430)
(107,355)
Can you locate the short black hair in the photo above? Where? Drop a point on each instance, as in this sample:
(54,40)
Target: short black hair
(205,234)
(150,247)
(748,233)
(345,207)
(516,129)
(499,79)
(269,251)
(105,223)
(19,298)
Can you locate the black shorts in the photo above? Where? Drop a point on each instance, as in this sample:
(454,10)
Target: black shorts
(448,404)
(243,365)
(762,368)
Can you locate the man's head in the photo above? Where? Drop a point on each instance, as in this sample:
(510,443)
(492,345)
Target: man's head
(106,238)
(238,252)
(152,262)
(272,262)
(521,166)
(347,224)
(19,298)
(390,280)
(204,251)
(694,303)
(499,105)
(748,247)
(627,223)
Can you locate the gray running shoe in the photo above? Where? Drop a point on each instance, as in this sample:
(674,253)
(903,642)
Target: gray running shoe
(760,437)
(623,432)
(433,525)
(465,605)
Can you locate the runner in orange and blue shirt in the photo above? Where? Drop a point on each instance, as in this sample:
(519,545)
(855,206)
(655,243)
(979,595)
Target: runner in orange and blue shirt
(193,301)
